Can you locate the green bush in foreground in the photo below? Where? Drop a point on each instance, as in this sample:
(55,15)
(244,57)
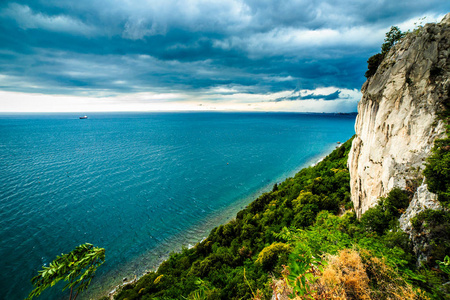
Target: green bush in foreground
(77,268)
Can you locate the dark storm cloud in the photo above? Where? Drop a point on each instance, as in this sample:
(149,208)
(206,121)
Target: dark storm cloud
(110,47)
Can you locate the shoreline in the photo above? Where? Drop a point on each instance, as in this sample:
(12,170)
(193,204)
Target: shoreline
(188,238)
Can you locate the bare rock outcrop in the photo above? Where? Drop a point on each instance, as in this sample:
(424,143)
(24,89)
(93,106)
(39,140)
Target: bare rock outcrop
(397,124)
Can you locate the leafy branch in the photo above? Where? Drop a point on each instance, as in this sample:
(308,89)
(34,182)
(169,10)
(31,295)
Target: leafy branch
(77,268)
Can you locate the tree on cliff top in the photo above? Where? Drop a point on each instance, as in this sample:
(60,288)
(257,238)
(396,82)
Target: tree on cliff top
(77,268)
(392,37)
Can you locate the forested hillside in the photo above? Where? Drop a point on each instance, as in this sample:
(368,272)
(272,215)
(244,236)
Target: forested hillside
(292,241)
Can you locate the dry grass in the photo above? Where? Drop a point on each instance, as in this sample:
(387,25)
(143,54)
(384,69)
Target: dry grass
(386,282)
(353,275)
(344,277)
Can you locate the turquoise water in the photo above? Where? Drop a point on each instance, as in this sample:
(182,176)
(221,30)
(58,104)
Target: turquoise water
(138,185)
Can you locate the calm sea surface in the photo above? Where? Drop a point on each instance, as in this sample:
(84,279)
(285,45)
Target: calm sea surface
(138,185)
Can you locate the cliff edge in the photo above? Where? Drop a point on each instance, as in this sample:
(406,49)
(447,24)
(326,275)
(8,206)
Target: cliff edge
(397,120)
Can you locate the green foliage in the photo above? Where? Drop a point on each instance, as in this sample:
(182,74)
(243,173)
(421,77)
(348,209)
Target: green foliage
(433,228)
(204,291)
(275,187)
(77,268)
(302,268)
(392,37)
(434,283)
(430,218)
(384,215)
(396,202)
(445,265)
(372,64)
(270,255)
(437,171)
(375,220)
(397,239)
(331,233)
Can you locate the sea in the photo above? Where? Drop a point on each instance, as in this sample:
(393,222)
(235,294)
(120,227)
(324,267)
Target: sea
(140,185)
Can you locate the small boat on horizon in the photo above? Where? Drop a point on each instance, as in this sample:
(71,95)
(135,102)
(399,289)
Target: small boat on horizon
(84,117)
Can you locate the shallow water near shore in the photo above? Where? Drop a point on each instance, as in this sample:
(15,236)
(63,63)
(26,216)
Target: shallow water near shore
(139,185)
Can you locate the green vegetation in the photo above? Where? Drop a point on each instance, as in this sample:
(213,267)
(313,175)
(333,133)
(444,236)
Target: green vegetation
(392,37)
(384,216)
(344,261)
(292,240)
(437,171)
(445,265)
(433,230)
(372,64)
(431,227)
(77,268)
(248,243)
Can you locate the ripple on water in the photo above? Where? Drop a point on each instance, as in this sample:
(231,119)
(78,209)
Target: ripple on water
(138,185)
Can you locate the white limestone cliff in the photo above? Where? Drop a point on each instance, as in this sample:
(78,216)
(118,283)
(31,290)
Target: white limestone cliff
(396,123)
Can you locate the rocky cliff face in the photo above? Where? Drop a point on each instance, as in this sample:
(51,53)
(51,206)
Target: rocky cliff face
(396,123)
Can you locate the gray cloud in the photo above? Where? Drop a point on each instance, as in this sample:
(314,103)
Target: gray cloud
(113,47)
(27,19)
(296,96)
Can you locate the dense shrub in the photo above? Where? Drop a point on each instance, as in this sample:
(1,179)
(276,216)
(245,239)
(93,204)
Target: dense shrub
(434,229)
(384,215)
(372,64)
(437,171)
(396,202)
(392,37)
(270,255)
(375,220)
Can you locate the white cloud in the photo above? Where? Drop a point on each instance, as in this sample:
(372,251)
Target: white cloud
(156,17)
(136,29)
(260,46)
(25,102)
(289,40)
(27,19)
(413,23)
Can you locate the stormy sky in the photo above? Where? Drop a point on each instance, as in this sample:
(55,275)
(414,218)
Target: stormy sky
(113,55)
